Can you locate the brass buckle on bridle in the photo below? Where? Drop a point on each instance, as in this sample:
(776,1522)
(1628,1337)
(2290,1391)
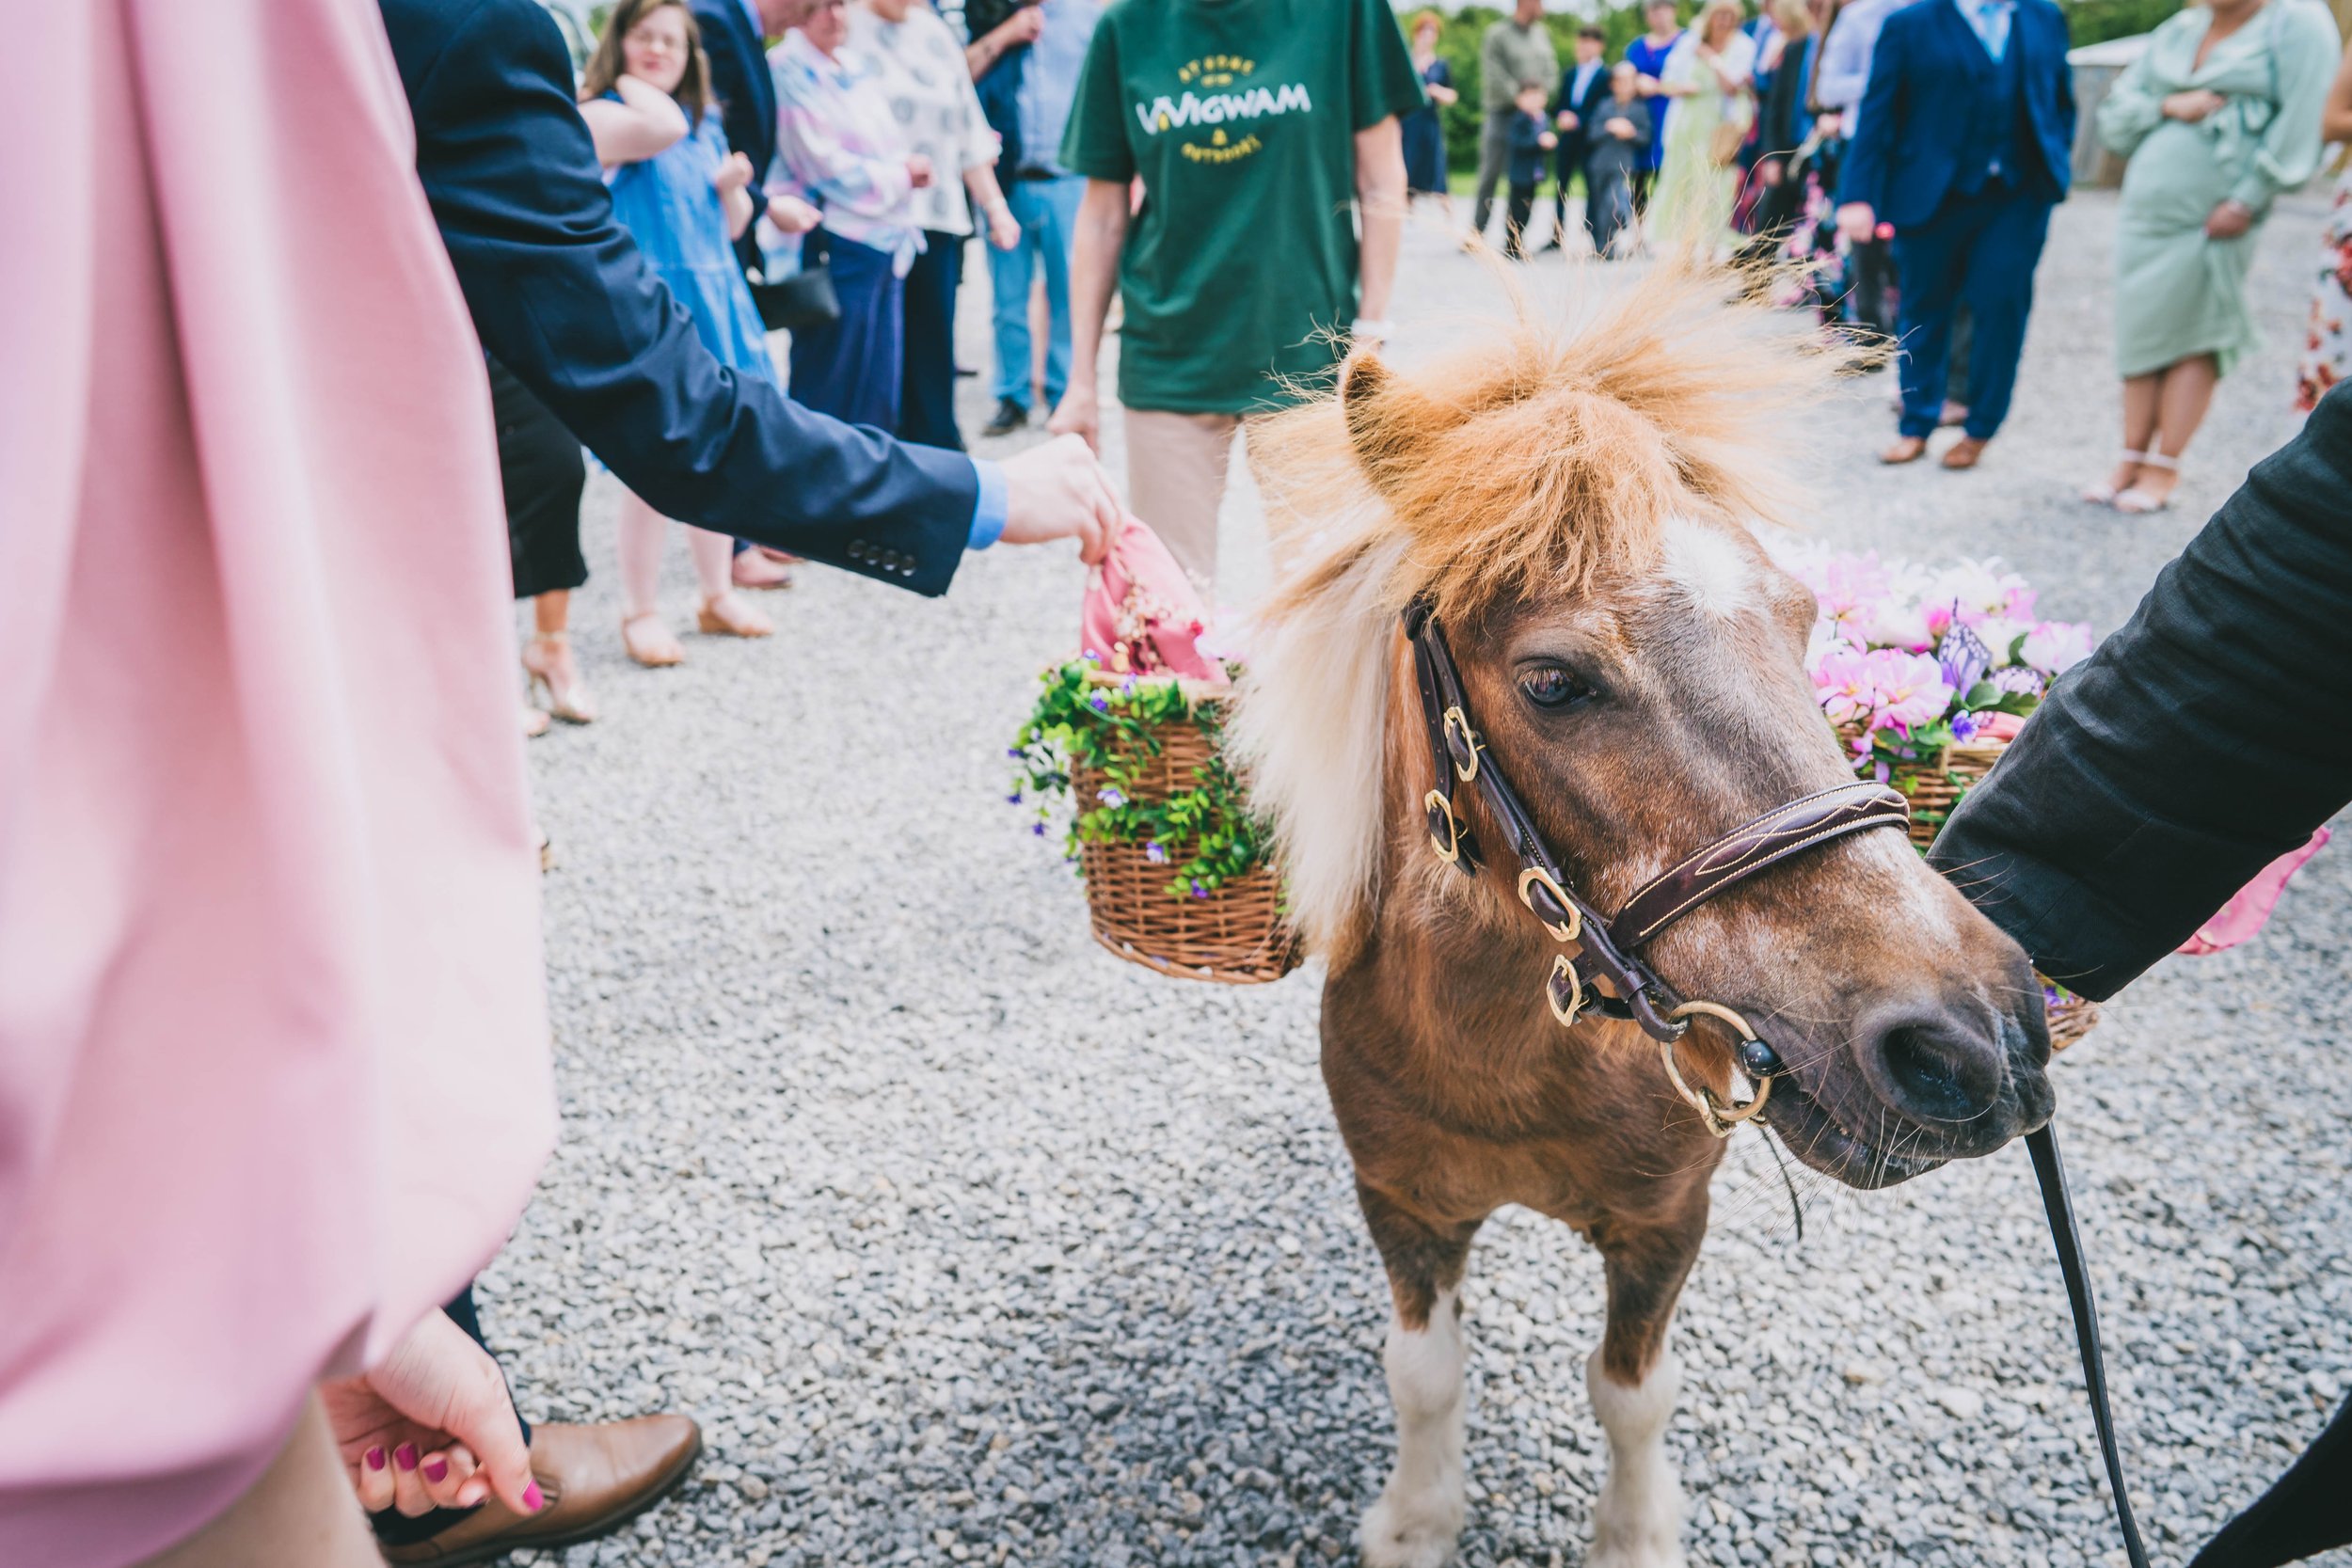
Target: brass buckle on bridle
(1721,1118)
(1564,968)
(1456,719)
(1537,874)
(1450,847)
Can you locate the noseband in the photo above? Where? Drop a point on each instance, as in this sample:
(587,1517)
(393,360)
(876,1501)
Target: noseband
(1599,968)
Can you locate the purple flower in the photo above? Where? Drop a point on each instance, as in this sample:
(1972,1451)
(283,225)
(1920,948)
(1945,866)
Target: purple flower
(1014,799)
(1091,657)
(1963,659)
(1038,828)
(1099,702)
(1155,853)
(1110,798)
(1014,752)
(1197,890)
(1963,725)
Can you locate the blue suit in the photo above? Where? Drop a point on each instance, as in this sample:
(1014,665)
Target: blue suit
(561,297)
(1964,156)
(747,97)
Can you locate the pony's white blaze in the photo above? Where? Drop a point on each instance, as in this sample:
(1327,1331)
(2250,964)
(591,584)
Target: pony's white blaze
(1420,1512)
(1708,568)
(1308,734)
(1637,1521)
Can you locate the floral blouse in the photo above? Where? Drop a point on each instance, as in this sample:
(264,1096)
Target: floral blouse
(923,73)
(839,145)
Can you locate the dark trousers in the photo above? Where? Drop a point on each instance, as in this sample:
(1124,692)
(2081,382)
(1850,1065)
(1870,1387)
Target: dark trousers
(1638,184)
(1979,249)
(851,368)
(1515,221)
(542,474)
(1494,162)
(926,411)
(1608,205)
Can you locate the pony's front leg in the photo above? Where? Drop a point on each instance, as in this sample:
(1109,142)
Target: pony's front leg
(1419,1515)
(1634,1380)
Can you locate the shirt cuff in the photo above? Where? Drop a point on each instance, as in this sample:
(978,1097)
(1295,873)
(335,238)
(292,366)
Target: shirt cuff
(993,504)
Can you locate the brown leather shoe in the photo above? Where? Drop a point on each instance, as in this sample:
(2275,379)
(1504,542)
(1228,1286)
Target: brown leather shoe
(1963,453)
(1907,448)
(597,1479)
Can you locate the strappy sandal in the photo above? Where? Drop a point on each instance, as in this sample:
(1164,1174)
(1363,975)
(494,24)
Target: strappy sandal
(656,649)
(724,615)
(2103,494)
(535,723)
(2140,504)
(568,701)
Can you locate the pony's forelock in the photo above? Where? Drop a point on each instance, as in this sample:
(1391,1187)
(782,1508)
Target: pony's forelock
(1520,466)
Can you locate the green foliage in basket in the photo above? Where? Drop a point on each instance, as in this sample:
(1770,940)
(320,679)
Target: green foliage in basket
(1205,834)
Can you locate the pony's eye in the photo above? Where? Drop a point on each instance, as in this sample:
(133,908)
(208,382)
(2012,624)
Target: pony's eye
(1552,686)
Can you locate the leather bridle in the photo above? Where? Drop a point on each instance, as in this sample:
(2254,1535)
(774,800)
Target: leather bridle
(1599,968)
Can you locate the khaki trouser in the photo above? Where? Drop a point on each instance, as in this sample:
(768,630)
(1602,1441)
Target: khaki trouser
(301,1513)
(1176,468)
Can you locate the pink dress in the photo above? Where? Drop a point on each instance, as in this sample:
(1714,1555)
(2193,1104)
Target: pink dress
(274,1075)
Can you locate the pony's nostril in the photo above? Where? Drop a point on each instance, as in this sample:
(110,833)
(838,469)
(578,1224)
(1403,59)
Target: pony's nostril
(1935,1072)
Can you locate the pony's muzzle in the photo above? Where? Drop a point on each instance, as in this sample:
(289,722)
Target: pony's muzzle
(1940,1068)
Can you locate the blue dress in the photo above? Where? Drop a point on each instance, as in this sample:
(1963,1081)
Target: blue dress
(670,208)
(1425,138)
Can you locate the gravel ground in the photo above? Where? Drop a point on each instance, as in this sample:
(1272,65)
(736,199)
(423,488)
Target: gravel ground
(967,1243)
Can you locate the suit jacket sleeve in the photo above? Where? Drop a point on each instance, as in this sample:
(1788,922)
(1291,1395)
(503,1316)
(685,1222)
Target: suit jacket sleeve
(1871,155)
(562,297)
(2208,737)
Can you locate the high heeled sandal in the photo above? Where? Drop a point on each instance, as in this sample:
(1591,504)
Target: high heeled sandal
(2104,494)
(657,651)
(568,702)
(2136,502)
(718,617)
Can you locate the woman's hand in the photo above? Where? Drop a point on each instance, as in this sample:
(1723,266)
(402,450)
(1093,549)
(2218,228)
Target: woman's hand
(2193,105)
(1439,93)
(735,174)
(792,215)
(432,1426)
(1003,232)
(1078,415)
(2229,220)
(918,171)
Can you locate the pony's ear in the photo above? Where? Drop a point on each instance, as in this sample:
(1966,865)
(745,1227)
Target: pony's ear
(1368,393)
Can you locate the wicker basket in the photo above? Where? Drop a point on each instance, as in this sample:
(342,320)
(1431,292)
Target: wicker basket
(1935,788)
(1236,935)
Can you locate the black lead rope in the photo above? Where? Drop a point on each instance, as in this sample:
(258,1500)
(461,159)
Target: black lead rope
(2051,1172)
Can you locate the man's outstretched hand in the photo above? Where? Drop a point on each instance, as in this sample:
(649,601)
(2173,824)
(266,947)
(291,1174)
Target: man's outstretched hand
(1057,490)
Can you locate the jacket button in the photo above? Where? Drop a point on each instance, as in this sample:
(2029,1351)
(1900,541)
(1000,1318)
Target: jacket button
(857,550)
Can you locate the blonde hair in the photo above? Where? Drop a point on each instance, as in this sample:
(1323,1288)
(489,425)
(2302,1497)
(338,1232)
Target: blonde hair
(1705,26)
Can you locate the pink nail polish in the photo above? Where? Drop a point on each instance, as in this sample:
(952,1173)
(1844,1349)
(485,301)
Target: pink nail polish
(406,1456)
(533,1499)
(436,1470)
(376,1459)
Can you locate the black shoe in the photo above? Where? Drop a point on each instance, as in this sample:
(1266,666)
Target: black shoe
(1011,417)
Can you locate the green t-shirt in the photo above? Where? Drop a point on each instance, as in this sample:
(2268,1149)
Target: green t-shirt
(1240,116)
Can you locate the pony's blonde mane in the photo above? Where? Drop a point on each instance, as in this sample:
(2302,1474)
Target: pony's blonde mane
(1516,467)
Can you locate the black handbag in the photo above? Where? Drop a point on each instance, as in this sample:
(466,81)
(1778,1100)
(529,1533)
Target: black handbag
(804,300)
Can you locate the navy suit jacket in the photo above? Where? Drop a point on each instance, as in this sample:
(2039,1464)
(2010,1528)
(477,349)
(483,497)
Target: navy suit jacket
(561,296)
(1927,74)
(747,93)
(1576,145)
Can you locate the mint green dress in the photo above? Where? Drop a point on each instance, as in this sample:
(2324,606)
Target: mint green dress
(2178,294)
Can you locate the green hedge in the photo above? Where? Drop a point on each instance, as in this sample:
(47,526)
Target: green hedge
(1458,36)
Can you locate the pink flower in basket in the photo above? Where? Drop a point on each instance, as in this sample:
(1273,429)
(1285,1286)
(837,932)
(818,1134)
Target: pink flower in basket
(1845,682)
(2055,646)
(1908,689)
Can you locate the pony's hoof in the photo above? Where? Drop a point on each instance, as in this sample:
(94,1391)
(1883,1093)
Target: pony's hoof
(1419,1533)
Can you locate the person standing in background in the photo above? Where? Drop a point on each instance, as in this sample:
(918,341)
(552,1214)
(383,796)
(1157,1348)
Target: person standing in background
(2327,346)
(1784,124)
(923,73)
(1423,129)
(1707,78)
(1582,85)
(1514,55)
(1532,137)
(1648,55)
(734,45)
(1966,145)
(1026,68)
(1310,92)
(683,198)
(542,475)
(2219,115)
(1840,74)
(1620,146)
